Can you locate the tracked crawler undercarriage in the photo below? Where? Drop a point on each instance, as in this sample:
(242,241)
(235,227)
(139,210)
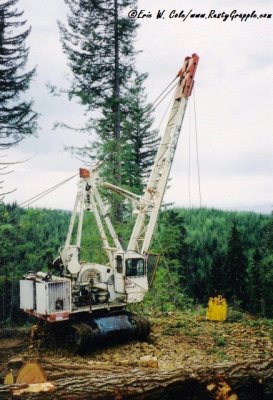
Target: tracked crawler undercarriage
(84,334)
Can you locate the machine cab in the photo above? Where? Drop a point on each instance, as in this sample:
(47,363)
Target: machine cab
(131,275)
(135,267)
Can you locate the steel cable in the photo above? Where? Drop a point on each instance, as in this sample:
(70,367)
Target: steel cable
(39,196)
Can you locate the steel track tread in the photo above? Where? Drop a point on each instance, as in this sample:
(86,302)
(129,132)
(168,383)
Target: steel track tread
(143,326)
(80,338)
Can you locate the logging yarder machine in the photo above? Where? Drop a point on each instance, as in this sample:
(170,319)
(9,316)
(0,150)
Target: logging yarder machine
(82,303)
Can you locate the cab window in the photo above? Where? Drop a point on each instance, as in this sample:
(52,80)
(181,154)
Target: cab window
(134,267)
(119,264)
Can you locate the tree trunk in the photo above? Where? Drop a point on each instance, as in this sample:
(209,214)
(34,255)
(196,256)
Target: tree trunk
(116,76)
(11,297)
(4,294)
(118,209)
(250,379)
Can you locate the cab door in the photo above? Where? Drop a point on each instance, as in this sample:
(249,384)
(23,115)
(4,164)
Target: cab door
(119,276)
(136,284)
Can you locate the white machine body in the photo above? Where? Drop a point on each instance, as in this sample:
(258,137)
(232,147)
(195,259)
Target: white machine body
(88,287)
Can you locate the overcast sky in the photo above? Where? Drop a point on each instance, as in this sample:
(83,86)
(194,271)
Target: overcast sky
(233,95)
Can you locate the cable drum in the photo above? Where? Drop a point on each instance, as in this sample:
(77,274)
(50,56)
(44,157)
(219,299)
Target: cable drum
(92,280)
(90,274)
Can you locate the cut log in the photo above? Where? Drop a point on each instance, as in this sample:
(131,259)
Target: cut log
(250,379)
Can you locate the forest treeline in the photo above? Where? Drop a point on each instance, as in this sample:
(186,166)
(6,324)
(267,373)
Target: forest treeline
(203,252)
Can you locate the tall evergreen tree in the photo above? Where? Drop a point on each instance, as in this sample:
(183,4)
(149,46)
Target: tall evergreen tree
(140,143)
(17,119)
(99,43)
(235,268)
(256,283)
(269,235)
(217,275)
(171,241)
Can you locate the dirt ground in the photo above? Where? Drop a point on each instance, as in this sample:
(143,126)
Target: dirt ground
(177,340)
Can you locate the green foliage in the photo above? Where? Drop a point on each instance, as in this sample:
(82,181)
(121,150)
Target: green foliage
(269,235)
(171,242)
(235,266)
(219,341)
(127,159)
(266,300)
(17,119)
(256,282)
(207,236)
(139,142)
(194,246)
(91,246)
(29,241)
(234,315)
(166,293)
(98,40)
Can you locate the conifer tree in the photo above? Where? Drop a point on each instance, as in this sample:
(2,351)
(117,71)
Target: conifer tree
(99,43)
(235,268)
(140,143)
(256,283)
(269,236)
(17,119)
(171,242)
(218,274)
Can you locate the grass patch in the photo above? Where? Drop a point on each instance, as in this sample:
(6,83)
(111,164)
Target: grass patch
(235,315)
(14,333)
(219,341)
